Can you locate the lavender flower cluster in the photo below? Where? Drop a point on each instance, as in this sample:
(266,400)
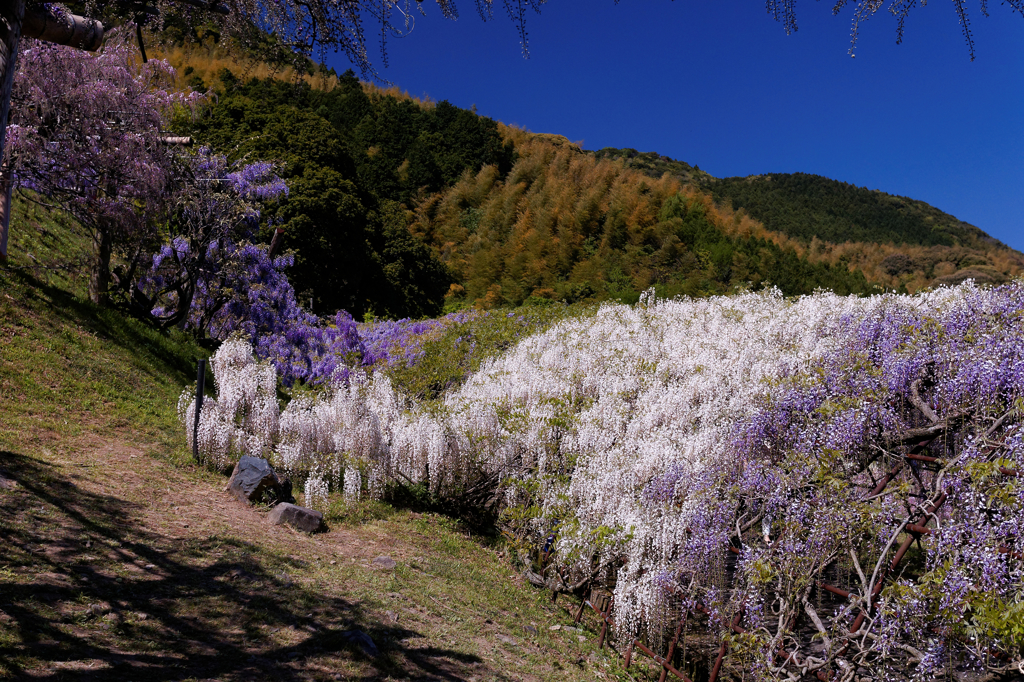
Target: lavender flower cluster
(391,342)
(938,372)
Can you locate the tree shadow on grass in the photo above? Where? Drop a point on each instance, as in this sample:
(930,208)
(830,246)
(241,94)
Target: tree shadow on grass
(155,352)
(86,593)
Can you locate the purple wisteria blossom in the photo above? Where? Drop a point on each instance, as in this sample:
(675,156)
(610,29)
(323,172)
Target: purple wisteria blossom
(389,342)
(943,375)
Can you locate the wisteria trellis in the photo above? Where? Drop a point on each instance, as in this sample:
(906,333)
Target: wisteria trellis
(650,439)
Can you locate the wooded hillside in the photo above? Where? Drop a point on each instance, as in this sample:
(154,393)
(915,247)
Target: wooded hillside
(897,242)
(403,207)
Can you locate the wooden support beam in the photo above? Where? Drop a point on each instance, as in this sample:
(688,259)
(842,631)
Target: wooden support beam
(63,29)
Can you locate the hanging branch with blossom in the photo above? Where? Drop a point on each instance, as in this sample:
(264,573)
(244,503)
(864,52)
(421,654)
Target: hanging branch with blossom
(87,136)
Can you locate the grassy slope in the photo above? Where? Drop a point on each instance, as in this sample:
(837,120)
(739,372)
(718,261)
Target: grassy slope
(121,560)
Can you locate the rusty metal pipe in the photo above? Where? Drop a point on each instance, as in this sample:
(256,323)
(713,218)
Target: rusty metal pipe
(877,588)
(718,663)
(735,625)
(672,646)
(877,490)
(836,590)
(579,613)
(658,659)
(922,458)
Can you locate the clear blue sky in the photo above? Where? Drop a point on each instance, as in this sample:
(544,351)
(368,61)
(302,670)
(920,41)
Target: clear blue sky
(718,84)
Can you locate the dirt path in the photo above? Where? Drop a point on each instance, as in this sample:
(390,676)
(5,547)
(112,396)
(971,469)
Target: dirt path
(116,564)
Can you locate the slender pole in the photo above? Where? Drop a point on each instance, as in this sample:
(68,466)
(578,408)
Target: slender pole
(5,207)
(200,387)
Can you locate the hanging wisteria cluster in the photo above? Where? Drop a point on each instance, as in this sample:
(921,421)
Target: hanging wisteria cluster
(243,419)
(829,484)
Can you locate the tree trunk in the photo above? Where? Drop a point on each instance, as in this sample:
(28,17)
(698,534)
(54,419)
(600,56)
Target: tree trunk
(99,282)
(5,208)
(11,14)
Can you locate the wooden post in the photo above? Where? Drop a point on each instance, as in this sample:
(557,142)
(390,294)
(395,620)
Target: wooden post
(275,244)
(5,208)
(604,624)
(200,387)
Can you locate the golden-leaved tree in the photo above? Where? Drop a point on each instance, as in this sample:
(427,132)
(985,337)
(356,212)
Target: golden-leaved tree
(565,225)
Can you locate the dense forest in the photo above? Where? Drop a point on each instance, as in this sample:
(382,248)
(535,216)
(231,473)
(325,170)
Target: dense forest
(897,242)
(807,206)
(351,161)
(564,225)
(403,208)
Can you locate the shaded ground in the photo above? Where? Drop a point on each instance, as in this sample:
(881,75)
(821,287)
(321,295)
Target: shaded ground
(117,565)
(121,561)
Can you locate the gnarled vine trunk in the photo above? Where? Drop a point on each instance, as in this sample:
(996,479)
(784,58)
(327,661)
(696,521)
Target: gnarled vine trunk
(99,280)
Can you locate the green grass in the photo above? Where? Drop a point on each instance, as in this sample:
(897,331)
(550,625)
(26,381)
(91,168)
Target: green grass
(68,367)
(449,357)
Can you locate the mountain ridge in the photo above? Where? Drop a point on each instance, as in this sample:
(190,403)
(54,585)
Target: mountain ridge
(921,245)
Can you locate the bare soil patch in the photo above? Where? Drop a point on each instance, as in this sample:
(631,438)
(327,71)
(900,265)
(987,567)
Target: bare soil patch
(118,564)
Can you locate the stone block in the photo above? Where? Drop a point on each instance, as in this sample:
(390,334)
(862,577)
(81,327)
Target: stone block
(254,480)
(297,517)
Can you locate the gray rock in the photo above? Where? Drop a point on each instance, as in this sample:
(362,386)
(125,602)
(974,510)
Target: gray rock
(384,562)
(361,640)
(295,516)
(253,480)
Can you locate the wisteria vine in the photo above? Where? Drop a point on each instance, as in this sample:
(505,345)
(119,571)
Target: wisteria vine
(753,463)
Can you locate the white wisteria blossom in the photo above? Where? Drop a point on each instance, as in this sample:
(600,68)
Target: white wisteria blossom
(243,419)
(612,434)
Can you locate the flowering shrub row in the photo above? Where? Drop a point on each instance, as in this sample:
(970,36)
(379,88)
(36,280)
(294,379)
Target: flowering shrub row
(648,440)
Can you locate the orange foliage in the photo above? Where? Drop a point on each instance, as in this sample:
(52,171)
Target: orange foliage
(559,216)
